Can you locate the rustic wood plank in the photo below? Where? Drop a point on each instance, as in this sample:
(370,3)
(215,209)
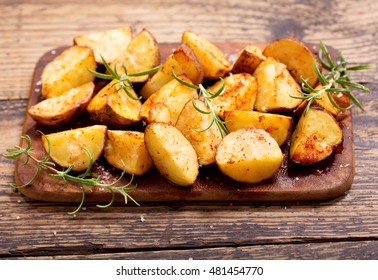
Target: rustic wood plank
(362,250)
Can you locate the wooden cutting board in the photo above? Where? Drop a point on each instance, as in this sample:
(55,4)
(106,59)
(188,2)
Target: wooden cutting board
(322,181)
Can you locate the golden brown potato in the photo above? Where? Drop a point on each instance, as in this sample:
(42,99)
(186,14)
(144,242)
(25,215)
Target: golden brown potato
(127,150)
(215,64)
(67,71)
(67,147)
(275,88)
(298,58)
(249,155)
(182,61)
(315,136)
(278,126)
(114,107)
(110,44)
(323,102)
(248,60)
(166,104)
(64,108)
(239,94)
(142,54)
(172,153)
(196,128)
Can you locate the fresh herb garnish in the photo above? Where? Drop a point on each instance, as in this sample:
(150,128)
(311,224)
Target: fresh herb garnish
(124,79)
(206,95)
(337,79)
(86,179)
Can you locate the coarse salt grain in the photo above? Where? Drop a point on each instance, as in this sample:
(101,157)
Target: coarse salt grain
(18,217)
(142,219)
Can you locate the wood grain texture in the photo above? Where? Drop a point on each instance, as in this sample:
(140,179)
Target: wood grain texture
(346,228)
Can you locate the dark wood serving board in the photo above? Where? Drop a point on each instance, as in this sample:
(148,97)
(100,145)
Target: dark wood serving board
(322,181)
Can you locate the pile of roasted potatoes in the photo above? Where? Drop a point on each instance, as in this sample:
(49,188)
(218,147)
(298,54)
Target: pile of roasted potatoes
(177,137)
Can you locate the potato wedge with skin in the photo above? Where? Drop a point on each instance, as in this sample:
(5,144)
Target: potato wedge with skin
(166,104)
(248,60)
(323,102)
(142,54)
(214,62)
(67,147)
(239,94)
(127,150)
(110,44)
(316,135)
(62,109)
(67,71)
(249,155)
(275,88)
(114,107)
(278,126)
(172,153)
(298,58)
(196,128)
(182,61)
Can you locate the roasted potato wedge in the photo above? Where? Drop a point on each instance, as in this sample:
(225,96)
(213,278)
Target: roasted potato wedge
(114,107)
(323,102)
(67,147)
(110,44)
(248,60)
(249,155)
(182,61)
(197,128)
(62,109)
(239,94)
(214,62)
(278,126)
(127,151)
(275,88)
(298,58)
(142,54)
(316,135)
(67,71)
(166,104)
(172,153)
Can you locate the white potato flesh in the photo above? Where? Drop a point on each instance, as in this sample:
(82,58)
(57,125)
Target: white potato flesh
(67,147)
(172,153)
(249,155)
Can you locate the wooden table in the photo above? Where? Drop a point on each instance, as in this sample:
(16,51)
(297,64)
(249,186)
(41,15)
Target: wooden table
(345,228)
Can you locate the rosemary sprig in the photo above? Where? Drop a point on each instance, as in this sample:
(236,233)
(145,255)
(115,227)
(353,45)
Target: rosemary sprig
(206,95)
(337,79)
(86,179)
(124,79)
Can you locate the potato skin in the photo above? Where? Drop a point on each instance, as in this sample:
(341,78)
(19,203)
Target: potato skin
(67,71)
(182,61)
(275,88)
(248,60)
(62,109)
(127,147)
(172,153)
(239,94)
(66,147)
(215,64)
(296,56)
(249,155)
(195,127)
(110,44)
(114,107)
(166,104)
(316,135)
(142,54)
(278,126)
